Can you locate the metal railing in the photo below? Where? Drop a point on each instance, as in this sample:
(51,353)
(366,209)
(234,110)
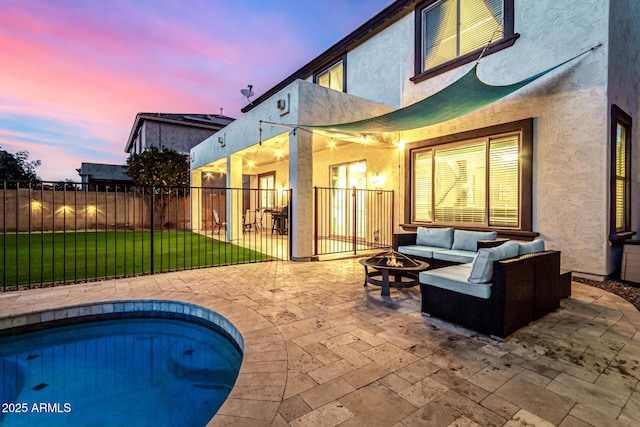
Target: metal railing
(56,233)
(352,220)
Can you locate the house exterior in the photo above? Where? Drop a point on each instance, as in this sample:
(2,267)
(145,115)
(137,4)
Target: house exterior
(557,159)
(102,173)
(180,132)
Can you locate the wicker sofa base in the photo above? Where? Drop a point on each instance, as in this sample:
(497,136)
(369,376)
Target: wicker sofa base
(524,289)
(464,310)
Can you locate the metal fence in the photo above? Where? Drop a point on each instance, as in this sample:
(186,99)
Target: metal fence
(352,220)
(55,233)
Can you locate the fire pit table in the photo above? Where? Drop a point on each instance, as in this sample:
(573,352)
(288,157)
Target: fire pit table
(391,263)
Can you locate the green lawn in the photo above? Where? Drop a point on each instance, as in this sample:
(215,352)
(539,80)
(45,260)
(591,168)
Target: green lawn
(73,256)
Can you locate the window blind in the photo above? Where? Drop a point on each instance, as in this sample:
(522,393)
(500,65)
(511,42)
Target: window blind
(452,28)
(479,19)
(422,186)
(504,182)
(440,33)
(460,184)
(621,145)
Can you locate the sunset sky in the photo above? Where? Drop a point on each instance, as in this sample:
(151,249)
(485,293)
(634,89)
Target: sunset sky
(74,73)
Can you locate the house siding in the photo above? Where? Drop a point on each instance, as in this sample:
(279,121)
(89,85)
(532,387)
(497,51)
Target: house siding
(177,137)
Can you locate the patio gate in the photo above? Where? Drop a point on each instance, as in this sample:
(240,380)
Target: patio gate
(352,220)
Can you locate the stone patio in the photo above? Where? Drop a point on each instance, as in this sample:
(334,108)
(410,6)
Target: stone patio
(321,350)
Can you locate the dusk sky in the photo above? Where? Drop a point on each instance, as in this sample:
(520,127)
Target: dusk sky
(74,73)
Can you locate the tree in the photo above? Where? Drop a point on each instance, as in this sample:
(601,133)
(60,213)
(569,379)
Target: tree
(164,171)
(160,168)
(17,166)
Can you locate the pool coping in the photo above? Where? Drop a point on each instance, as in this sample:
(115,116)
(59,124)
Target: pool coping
(264,363)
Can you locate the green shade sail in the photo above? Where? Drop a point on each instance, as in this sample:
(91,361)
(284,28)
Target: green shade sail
(463,96)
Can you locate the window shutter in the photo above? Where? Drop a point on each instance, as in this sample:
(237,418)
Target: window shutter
(479,19)
(440,33)
(503,182)
(422,177)
(460,182)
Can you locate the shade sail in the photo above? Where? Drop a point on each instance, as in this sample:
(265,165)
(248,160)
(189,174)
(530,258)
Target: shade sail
(463,96)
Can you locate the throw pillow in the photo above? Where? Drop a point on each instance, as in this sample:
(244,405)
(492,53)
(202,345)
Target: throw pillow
(468,240)
(436,237)
(482,266)
(531,247)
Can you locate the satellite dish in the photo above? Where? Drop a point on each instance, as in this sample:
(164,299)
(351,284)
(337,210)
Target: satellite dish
(248,93)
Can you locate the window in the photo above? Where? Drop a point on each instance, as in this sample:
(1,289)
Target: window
(620,172)
(482,179)
(332,77)
(450,33)
(266,184)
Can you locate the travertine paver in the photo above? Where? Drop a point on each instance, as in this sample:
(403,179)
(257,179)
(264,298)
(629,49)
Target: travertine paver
(322,350)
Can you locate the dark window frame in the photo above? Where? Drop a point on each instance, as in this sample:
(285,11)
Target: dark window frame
(343,59)
(620,116)
(509,37)
(525,128)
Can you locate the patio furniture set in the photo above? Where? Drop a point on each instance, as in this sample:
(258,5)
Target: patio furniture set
(474,279)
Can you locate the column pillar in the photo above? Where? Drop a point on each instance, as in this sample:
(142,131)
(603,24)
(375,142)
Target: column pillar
(234,198)
(301,183)
(196,200)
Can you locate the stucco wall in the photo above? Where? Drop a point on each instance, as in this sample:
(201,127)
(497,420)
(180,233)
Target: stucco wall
(624,82)
(569,107)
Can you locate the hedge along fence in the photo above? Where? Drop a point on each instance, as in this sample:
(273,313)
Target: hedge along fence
(45,208)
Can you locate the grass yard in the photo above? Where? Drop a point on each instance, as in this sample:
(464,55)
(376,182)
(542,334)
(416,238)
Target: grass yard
(75,256)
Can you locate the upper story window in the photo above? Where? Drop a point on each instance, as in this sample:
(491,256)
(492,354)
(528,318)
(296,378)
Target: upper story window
(332,77)
(620,172)
(450,33)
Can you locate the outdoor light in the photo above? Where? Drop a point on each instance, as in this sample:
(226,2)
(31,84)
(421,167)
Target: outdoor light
(36,205)
(91,209)
(401,144)
(208,175)
(332,143)
(65,209)
(278,153)
(250,163)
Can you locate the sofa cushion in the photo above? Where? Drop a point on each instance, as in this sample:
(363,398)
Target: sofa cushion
(454,255)
(531,247)
(438,237)
(468,240)
(454,278)
(482,268)
(417,250)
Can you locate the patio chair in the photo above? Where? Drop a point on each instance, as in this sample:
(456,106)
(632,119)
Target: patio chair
(217,223)
(258,224)
(248,220)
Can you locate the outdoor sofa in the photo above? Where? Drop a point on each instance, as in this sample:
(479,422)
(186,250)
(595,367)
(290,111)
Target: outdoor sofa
(495,290)
(441,247)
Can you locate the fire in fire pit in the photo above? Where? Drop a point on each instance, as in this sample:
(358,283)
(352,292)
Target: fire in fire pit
(391,259)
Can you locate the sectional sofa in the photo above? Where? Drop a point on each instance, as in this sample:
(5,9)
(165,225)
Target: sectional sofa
(494,290)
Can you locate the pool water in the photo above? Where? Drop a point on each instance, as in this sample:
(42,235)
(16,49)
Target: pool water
(124,372)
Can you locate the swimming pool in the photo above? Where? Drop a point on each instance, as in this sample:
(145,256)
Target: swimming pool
(141,369)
